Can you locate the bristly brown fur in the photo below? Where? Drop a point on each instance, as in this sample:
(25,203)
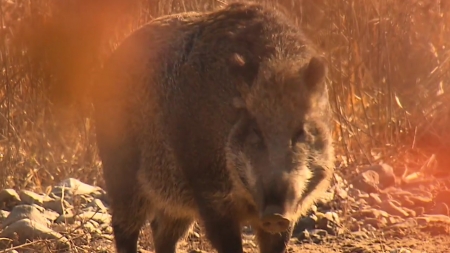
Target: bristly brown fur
(176,111)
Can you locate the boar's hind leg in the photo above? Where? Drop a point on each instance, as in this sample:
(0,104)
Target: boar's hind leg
(129,213)
(272,243)
(127,220)
(128,205)
(167,231)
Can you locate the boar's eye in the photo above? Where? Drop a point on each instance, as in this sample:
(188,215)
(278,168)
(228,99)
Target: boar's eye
(254,136)
(299,136)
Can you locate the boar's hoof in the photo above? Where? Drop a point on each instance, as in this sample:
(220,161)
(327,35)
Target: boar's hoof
(275,223)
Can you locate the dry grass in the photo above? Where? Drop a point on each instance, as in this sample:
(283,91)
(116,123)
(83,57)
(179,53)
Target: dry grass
(389,72)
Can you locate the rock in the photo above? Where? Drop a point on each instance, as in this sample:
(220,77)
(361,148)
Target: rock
(394,201)
(339,180)
(409,200)
(421,201)
(386,174)
(440,208)
(3,215)
(12,251)
(355,225)
(432,218)
(315,235)
(25,212)
(370,213)
(333,216)
(196,251)
(341,193)
(76,187)
(85,199)
(91,227)
(60,228)
(94,223)
(247,230)
(50,215)
(400,250)
(62,192)
(8,199)
(29,198)
(107,229)
(194,236)
(58,205)
(27,229)
(319,232)
(363,195)
(406,201)
(100,217)
(68,218)
(367,181)
(329,222)
(406,224)
(419,210)
(391,207)
(98,205)
(304,235)
(422,193)
(101,195)
(394,220)
(325,198)
(354,192)
(359,235)
(374,199)
(361,203)
(443,197)
(376,222)
(39,208)
(305,223)
(369,228)
(411,213)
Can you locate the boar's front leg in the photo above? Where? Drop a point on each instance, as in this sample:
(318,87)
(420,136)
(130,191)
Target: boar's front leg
(273,243)
(167,231)
(222,229)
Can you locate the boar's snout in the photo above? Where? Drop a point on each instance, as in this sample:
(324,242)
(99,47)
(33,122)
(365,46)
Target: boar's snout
(273,221)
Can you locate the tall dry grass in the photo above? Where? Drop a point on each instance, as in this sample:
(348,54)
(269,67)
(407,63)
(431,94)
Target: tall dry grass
(389,78)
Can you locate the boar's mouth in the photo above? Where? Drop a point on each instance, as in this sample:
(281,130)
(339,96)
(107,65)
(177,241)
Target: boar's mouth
(275,202)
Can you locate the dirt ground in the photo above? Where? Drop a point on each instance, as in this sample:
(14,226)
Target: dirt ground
(358,216)
(391,242)
(420,243)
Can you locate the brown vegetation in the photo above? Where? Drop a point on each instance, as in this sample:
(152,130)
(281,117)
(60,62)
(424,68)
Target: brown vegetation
(389,72)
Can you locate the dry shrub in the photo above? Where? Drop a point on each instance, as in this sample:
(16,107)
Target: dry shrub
(388,78)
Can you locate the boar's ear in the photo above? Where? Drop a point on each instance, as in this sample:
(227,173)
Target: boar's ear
(314,73)
(243,68)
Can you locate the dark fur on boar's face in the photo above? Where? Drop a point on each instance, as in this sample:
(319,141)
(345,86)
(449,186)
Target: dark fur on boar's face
(219,117)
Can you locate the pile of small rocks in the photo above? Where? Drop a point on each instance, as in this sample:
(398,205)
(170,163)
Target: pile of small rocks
(379,199)
(26,215)
(375,199)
